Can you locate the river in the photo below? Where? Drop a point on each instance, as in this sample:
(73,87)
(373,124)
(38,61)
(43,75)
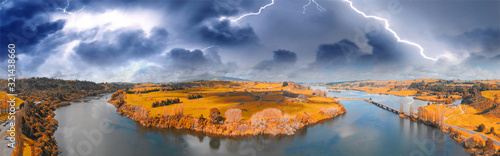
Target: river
(93,127)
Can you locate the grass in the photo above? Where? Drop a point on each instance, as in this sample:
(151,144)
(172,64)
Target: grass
(388,87)
(469,120)
(436,99)
(18,100)
(225,97)
(490,94)
(384,90)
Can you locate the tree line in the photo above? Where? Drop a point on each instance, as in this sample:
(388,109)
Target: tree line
(165,102)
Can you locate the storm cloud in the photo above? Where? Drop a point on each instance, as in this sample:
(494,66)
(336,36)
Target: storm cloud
(119,46)
(25,24)
(159,41)
(182,64)
(282,59)
(223,34)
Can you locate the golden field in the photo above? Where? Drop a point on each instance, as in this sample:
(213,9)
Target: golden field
(490,94)
(227,97)
(437,98)
(469,119)
(388,89)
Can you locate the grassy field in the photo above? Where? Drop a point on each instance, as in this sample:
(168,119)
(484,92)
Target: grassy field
(436,98)
(18,100)
(383,90)
(491,94)
(244,97)
(469,119)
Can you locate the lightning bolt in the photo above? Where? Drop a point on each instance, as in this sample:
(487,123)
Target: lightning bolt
(253,13)
(388,28)
(70,13)
(64,9)
(212,46)
(319,7)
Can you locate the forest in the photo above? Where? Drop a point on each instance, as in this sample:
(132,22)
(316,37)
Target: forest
(42,96)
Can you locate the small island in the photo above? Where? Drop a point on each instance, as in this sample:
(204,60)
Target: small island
(227,108)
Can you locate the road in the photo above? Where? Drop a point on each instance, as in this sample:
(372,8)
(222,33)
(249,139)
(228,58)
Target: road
(4,150)
(474,132)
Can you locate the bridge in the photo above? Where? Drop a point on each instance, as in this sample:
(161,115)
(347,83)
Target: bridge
(383,106)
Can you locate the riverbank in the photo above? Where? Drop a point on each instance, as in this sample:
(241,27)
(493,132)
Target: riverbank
(381,91)
(434,115)
(42,96)
(269,108)
(272,122)
(474,143)
(366,127)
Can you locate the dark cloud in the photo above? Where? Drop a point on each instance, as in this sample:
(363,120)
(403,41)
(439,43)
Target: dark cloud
(197,24)
(182,64)
(385,48)
(282,59)
(223,34)
(186,60)
(342,53)
(25,24)
(481,44)
(345,53)
(197,12)
(119,46)
(481,41)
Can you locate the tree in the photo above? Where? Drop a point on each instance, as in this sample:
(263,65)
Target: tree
(411,109)
(489,145)
(402,108)
(439,116)
(331,111)
(285,84)
(214,115)
(448,101)
(302,98)
(481,128)
(233,115)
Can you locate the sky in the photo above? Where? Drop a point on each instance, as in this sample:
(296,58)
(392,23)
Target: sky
(287,40)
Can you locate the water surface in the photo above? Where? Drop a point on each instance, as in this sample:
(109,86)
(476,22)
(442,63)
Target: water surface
(95,128)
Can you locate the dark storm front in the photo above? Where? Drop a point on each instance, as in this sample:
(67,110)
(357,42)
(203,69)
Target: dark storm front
(93,127)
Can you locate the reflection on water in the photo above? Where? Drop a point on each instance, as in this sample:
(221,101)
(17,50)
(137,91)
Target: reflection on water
(94,128)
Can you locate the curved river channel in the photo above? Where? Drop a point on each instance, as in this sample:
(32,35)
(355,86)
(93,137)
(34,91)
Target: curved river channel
(93,127)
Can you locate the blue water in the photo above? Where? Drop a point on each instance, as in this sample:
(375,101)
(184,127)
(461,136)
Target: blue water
(94,128)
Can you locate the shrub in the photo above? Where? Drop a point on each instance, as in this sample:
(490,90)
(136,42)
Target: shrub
(194,96)
(453,133)
(267,114)
(271,121)
(302,117)
(302,98)
(319,92)
(285,84)
(215,117)
(481,128)
(165,102)
(260,120)
(331,111)
(288,124)
(489,145)
(233,115)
